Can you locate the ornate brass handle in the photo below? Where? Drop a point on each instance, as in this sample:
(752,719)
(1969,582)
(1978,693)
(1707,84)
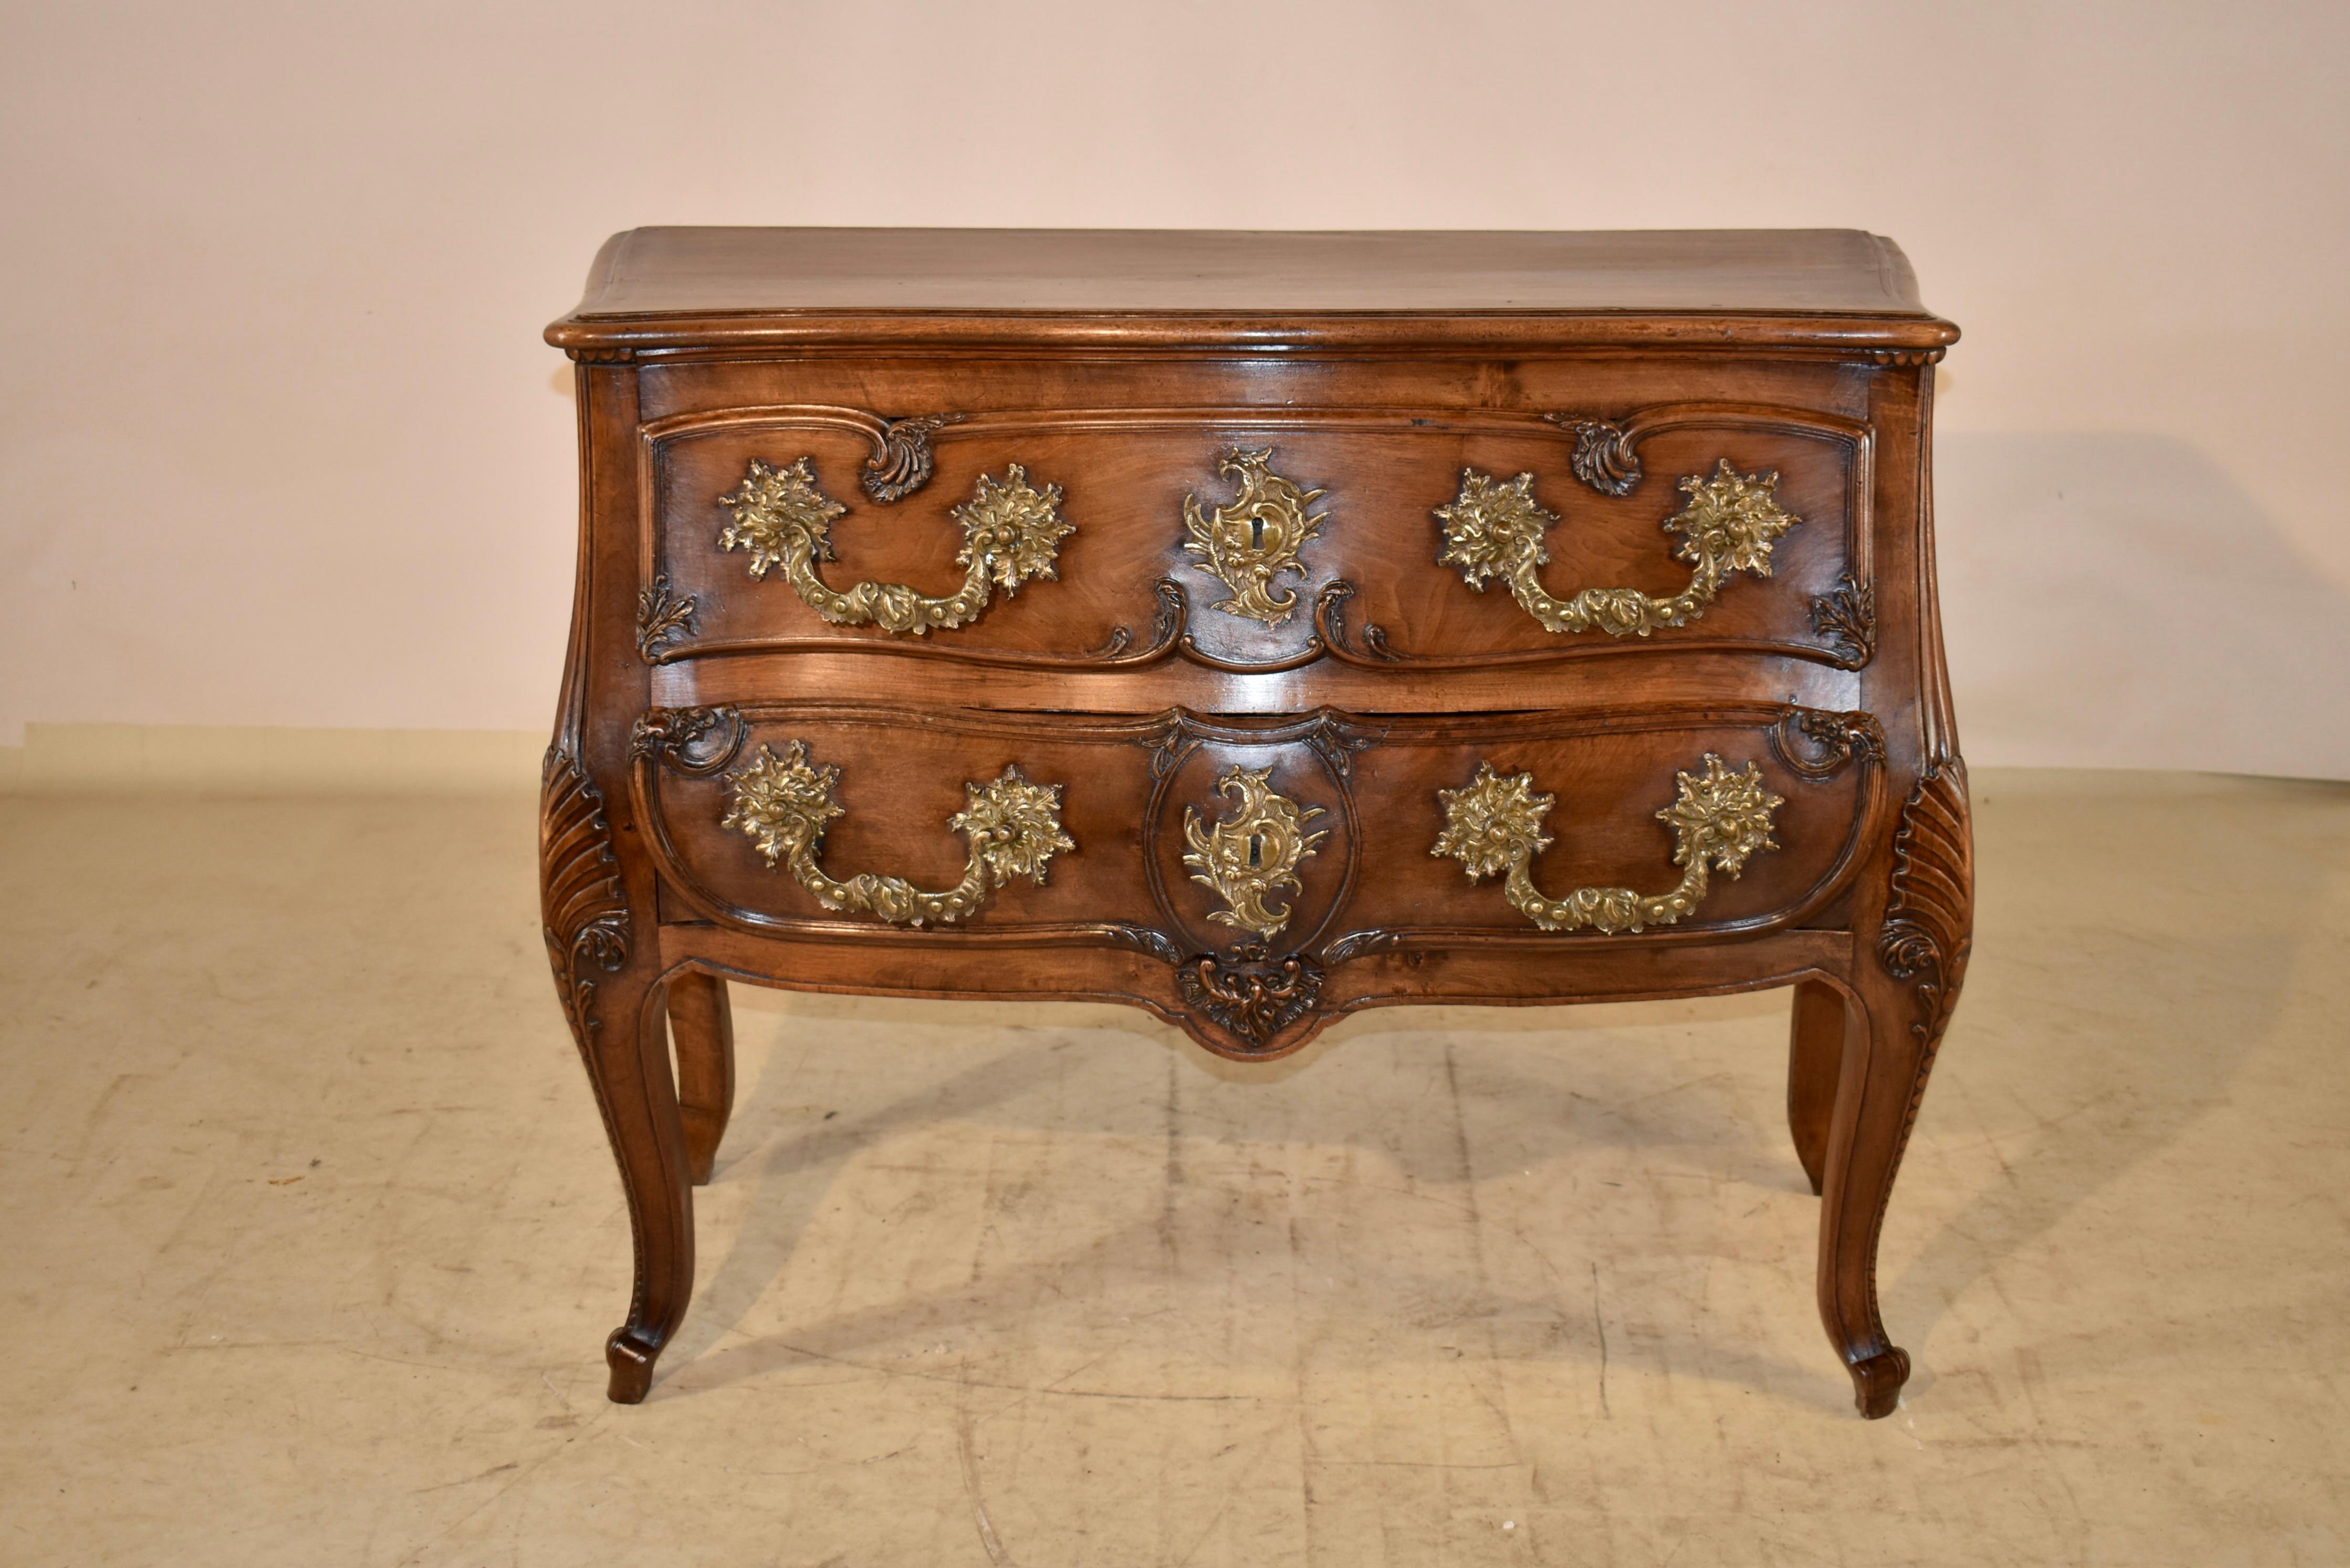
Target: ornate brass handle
(782,804)
(1494,529)
(1495,824)
(1011,531)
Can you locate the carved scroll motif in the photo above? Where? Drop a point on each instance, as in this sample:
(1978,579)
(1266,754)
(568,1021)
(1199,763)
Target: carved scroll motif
(1719,818)
(1012,532)
(783,803)
(584,907)
(1255,539)
(1495,529)
(1252,856)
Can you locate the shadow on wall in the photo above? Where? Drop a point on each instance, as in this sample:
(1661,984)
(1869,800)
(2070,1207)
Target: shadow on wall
(2116,600)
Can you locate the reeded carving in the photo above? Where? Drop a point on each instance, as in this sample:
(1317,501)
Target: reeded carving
(1252,995)
(1252,856)
(662,616)
(1012,532)
(1718,819)
(783,805)
(1929,918)
(1248,543)
(582,905)
(1604,458)
(1495,529)
(900,463)
(1845,617)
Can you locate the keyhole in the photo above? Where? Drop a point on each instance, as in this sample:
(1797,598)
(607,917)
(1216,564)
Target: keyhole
(1256,541)
(1256,850)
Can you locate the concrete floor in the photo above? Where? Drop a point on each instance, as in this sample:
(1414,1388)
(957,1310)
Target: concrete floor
(312,1240)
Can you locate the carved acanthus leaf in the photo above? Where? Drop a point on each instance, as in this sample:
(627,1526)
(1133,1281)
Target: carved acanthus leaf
(1846,616)
(662,616)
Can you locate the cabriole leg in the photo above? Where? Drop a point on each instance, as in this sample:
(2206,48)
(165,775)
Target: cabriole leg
(1906,984)
(616,1002)
(624,1044)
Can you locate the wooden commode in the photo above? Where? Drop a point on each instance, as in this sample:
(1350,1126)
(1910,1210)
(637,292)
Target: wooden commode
(1254,627)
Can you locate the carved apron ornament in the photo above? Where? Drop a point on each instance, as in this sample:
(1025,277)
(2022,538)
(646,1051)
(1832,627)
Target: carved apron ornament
(1250,542)
(1252,855)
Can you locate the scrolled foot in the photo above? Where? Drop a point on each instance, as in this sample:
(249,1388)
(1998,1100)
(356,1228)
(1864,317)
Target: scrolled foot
(632,1369)
(1876,1381)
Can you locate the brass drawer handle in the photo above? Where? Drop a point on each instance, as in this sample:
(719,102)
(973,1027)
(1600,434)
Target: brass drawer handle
(1494,529)
(782,804)
(1011,531)
(1495,824)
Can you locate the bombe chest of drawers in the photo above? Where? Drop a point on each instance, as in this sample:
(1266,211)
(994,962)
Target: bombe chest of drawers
(1254,627)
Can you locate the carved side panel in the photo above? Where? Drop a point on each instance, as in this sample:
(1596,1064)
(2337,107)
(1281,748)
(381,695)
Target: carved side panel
(585,910)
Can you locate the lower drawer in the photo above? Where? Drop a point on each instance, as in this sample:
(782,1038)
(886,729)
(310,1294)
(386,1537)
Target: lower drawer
(1179,835)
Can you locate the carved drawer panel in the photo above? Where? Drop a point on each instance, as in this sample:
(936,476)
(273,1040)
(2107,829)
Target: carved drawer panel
(1257,539)
(1323,837)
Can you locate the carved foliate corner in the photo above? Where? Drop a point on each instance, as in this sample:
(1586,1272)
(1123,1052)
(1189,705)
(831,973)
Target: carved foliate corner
(662,616)
(584,907)
(1846,616)
(1250,994)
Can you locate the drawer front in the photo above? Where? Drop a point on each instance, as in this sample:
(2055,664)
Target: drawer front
(1239,844)
(1258,540)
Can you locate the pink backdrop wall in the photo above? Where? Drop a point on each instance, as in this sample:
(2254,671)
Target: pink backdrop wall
(281,445)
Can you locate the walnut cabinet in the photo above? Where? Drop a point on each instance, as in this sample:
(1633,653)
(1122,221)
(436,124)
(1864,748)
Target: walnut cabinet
(1255,628)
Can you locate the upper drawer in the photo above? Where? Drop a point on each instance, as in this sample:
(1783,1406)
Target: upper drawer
(1258,539)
